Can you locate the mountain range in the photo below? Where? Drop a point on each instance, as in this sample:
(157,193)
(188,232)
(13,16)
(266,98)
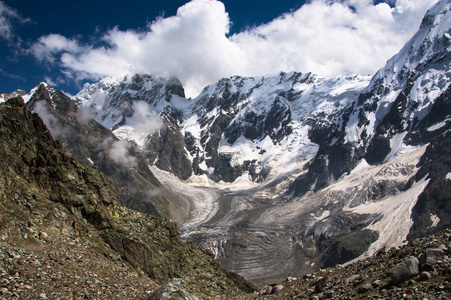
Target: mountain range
(277,175)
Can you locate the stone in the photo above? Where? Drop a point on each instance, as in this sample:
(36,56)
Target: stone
(351,279)
(378,283)
(424,276)
(43,236)
(422,258)
(433,256)
(427,267)
(365,288)
(290,279)
(404,270)
(173,290)
(268,290)
(277,289)
(321,283)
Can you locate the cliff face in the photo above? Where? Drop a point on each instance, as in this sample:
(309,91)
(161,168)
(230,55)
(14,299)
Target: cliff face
(95,146)
(48,202)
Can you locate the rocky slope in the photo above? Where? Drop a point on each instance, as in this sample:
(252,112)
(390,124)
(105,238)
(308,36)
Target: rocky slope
(61,225)
(418,270)
(95,146)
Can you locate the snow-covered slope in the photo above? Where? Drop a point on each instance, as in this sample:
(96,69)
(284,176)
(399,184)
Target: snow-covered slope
(111,100)
(254,125)
(402,93)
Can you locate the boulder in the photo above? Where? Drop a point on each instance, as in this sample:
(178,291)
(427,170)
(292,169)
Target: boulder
(173,290)
(277,289)
(404,270)
(433,256)
(424,276)
(365,288)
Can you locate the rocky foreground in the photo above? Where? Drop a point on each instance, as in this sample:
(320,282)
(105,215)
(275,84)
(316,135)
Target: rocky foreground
(418,270)
(43,265)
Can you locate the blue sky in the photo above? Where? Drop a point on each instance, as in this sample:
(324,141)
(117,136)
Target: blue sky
(68,43)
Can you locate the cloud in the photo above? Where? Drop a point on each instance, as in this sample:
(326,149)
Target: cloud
(49,119)
(9,16)
(11,75)
(143,119)
(84,115)
(140,125)
(49,46)
(119,153)
(325,37)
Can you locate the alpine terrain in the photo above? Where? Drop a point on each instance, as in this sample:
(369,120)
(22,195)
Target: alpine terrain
(277,175)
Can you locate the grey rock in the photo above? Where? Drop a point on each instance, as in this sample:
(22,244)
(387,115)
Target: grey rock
(173,290)
(290,279)
(268,290)
(277,289)
(433,256)
(422,258)
(365,288)
(378,283)
(404,270)
(427,267)
(43,236)
(351,279)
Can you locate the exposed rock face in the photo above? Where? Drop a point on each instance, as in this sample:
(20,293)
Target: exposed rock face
(164,148)
(96,146)
(434,204)
(37,177)
(112,103)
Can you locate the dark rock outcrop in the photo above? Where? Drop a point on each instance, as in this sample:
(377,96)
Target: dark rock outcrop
(92,145)
(34,167)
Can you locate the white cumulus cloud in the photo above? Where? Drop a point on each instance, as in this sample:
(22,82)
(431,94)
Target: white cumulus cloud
(324,37)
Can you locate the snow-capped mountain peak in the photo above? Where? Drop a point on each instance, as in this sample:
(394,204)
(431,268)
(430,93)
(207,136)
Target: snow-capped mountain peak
(404,90)
(111,99)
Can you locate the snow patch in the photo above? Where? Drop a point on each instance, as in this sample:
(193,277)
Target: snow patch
(323,216)
(361,167)
(396,145)
(437,125)
(396,221)
(435,220)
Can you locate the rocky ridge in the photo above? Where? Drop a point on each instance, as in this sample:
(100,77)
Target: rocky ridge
(61,224)
(95,146)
